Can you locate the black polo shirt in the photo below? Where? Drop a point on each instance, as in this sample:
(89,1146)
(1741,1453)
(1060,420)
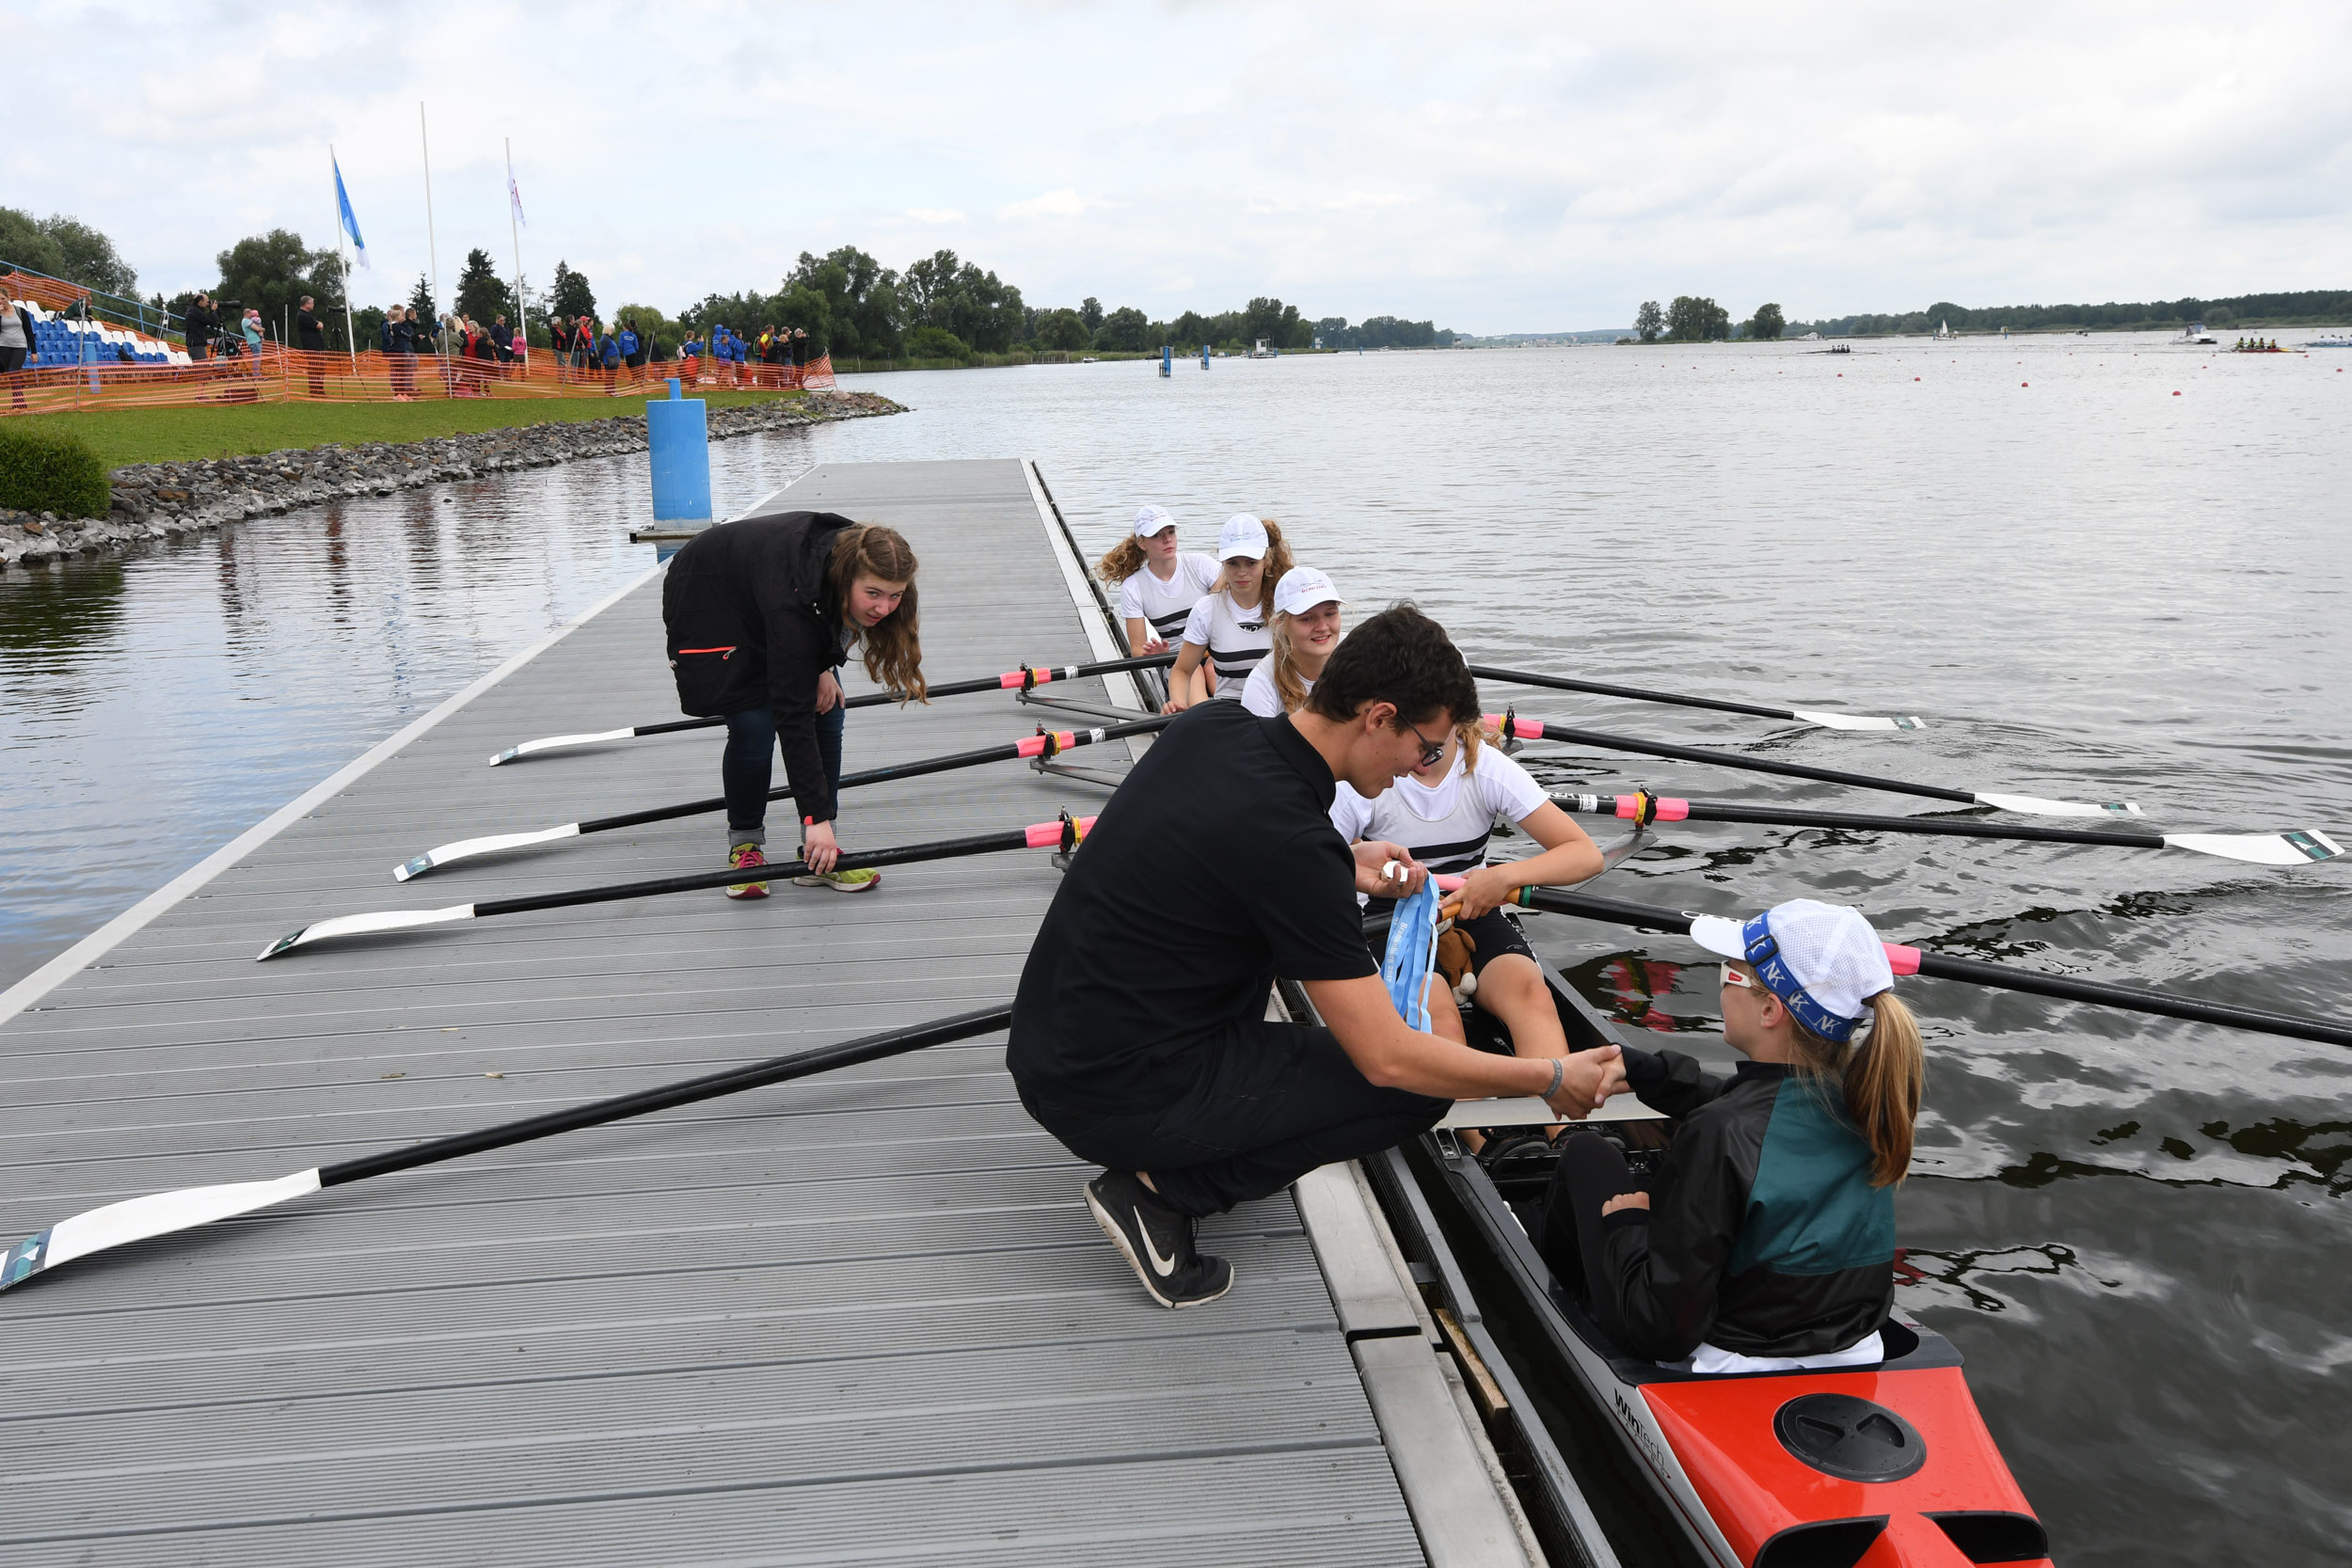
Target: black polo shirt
(1214,868)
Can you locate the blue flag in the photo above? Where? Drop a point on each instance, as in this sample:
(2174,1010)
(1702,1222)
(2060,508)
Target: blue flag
(350,223)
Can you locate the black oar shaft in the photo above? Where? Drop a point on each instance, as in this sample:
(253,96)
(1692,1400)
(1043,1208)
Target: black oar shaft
(1936,966)
(947,849)
(1754,765)
(1637,694)
(871,1048)
(1705,811)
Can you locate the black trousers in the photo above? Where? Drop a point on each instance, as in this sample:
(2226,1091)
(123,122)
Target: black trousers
(1592,1170)
(1271,1101)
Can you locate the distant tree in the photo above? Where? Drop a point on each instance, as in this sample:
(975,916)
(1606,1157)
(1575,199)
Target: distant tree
(1063,331)
(1091,312)
(570,296)
(1334,332)
(480,294)
(421,301)
(269,272)
(1190,330)
(65,248)
(1648,322)
(1123,331)
(937,342)
(1768,324)
(1392,332)
(861,299)
(1693,319)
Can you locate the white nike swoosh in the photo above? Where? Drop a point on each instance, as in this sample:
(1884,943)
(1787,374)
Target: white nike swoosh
(1161,1266)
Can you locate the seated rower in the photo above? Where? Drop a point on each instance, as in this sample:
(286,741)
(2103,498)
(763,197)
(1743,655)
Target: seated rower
(1158,583)
(1227,634)
(1306,628)
(1444,812)
(1766,1239)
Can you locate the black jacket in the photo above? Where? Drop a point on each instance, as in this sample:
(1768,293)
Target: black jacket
(309,333)
(203,327)
(1763,1235)
(752,622)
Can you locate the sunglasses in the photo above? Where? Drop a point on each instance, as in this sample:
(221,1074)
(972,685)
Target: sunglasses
(1733,977)
(1430,750)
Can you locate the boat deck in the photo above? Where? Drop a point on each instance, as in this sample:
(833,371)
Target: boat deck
(863,1318)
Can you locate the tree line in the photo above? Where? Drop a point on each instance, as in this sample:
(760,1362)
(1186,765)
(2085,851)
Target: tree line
(2309,307)
(1696,319)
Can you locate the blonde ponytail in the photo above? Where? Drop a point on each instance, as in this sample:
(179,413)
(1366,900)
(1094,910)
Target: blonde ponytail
(1880,1074)
(1290,687)
(1120,561)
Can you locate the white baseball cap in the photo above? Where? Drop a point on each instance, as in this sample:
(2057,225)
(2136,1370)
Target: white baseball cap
(1241,535)
(1303,588)
(1150,519)
(1822,960)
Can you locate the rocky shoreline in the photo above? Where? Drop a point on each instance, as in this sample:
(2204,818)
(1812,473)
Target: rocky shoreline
(156,501)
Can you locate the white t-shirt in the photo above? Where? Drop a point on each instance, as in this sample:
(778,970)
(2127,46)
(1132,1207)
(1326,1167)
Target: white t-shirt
(1445,825)
(1259,696)
(1237,638)
(1168,604)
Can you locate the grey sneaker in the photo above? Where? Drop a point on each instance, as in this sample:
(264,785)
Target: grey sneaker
(1156,1241)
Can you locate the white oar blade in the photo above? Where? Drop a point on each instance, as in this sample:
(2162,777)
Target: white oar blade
(2034,805)
(1860,721)
(491,845)
(138,1218)
(364,924)
(556,743)
(2301,848)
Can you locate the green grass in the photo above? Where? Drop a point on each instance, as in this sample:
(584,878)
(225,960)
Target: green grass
(179,435)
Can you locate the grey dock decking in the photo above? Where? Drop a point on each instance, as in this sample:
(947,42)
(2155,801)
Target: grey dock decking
(863,1318)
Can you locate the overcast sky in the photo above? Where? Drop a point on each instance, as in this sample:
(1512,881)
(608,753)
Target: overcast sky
(1495,167)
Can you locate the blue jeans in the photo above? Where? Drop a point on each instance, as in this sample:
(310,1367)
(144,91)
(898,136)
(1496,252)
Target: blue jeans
(748,768)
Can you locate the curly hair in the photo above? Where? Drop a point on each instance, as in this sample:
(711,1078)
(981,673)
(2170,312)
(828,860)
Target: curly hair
(894,646)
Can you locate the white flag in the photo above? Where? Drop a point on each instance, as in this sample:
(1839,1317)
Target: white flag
(514,193)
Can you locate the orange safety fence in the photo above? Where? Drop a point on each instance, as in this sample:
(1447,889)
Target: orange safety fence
(295,375)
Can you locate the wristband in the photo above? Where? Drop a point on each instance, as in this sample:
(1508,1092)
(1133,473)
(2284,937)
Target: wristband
(1558,1075)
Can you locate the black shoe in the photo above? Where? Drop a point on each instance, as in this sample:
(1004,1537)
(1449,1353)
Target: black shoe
(1157,1242)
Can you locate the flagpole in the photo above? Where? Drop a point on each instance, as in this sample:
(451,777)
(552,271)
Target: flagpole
(432,248)
(522,316)
(351,333)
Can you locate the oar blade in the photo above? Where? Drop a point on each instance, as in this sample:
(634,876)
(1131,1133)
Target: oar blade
(2034,805)
(364,924)
(2301,848)
(557,743)
(1860,721)
(138,1218)
(465,848)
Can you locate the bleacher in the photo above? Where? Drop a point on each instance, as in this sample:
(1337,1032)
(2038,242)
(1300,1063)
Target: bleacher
(60,340)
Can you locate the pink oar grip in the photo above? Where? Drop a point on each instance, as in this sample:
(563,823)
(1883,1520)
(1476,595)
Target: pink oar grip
(1902,960)
(1010,680)
(1065,738)
(1045,835)
(1448,882)
(1668,810)
(1527,729)
(1031,746)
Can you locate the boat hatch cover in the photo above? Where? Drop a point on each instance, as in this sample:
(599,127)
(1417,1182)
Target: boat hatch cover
(1850,1438)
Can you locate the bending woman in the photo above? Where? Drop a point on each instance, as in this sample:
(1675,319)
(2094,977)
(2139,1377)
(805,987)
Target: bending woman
(1766,1239)
(759,613)
(1227,632)
(1159,584)
(1444,812)
(1306,628)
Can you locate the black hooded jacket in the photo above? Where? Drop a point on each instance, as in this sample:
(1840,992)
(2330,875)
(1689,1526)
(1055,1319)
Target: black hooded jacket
(752,622)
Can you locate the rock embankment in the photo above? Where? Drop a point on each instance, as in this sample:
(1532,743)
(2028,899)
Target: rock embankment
(174,500)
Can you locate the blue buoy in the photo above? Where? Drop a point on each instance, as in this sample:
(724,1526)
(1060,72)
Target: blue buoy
(678,434)
(1205,356)
(1167,360)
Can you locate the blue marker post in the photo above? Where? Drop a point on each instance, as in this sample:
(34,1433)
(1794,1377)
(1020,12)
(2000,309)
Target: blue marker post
(1167,360)
(1205,356)
(678,434)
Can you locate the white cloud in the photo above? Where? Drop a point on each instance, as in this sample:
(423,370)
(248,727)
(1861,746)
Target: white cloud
(1496,166)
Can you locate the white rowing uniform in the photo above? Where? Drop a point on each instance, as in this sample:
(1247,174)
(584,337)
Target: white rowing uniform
(1237,638)
(1445,825)
(1258,694)
(1168,604)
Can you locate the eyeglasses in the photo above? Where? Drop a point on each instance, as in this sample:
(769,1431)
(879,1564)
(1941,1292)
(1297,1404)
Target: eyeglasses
(1733,977)
(1430,750)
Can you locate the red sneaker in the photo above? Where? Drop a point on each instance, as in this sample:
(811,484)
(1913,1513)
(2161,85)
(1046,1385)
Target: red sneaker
(742,857)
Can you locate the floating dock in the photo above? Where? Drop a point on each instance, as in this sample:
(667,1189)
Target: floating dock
(863,1318)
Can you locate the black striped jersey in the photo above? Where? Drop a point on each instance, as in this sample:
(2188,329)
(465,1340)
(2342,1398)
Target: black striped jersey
(1168,604)
(1237,638)
(1445,825)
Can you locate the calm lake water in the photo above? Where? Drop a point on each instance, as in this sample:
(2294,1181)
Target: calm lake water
(2090,587)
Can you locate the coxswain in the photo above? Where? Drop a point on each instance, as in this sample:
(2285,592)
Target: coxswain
(1227,633)
(1306,628)
(1139,1032)
(759,613)
(1765,1241)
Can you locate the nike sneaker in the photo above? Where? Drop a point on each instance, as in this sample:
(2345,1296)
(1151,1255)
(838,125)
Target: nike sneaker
(1156,1241)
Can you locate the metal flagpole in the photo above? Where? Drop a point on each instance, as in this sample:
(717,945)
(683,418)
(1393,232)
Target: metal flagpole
(432,246)
(343,268)
(513,200)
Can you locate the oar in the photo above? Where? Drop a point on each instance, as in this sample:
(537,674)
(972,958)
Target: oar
(2299,847)
(1911,961)
(1064,834)
(1042,744)
(1027,678)
(1642,694)
(162,1214)
(1536,729)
